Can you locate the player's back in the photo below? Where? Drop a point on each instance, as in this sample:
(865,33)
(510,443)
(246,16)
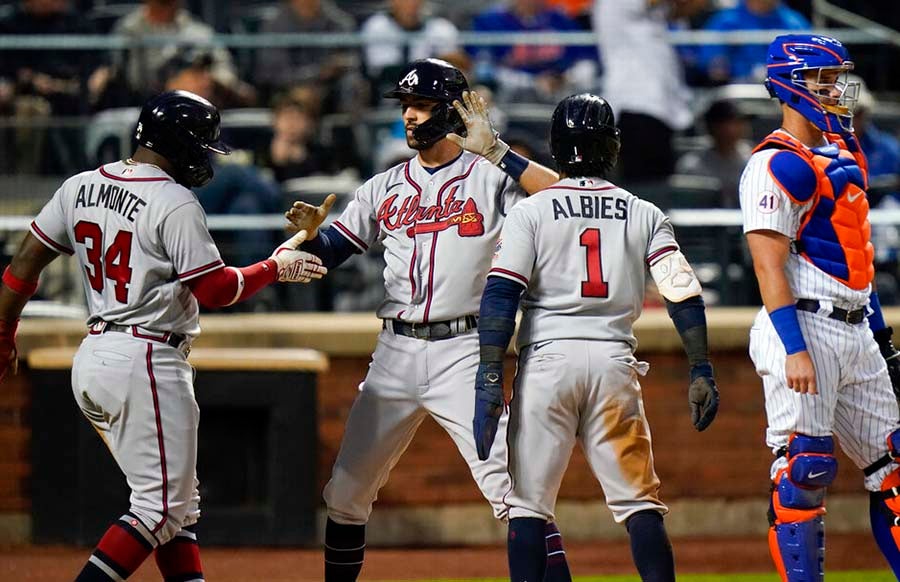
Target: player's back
(138,236)
(592,242)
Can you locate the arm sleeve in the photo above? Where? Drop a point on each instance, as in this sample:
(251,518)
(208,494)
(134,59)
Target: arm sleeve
(188,243)
(49,226)
(357,223)
(223,287)
(689,317)
(331,247)
(764,205)
(497,317)
(515,254)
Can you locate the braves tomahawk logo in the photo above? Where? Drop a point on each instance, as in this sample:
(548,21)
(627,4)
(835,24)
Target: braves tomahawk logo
(434,218)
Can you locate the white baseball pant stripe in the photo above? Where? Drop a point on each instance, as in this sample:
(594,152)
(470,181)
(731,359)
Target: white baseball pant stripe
(570,391)
(409,379)
(139,396)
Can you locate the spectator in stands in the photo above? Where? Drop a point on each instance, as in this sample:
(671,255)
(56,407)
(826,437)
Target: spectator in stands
(577,10)
(531,71)
(193,69)
(728,153)
(40,83)
(644,82)
(383,59)
(142,67)
(294,151)
(278,68)
(746,62)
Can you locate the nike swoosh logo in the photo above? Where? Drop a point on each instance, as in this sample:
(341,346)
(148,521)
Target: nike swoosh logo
(539,346)
(852,198)
(814,475)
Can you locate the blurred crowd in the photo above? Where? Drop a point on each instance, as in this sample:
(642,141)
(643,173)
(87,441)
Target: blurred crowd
(315,97)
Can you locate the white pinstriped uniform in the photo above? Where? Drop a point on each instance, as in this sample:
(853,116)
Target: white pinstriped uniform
(582,249)
(138,237)
(439,231)
(855,401)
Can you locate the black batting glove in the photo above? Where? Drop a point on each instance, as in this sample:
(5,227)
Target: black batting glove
(703,396)
(488,406)
(890,355)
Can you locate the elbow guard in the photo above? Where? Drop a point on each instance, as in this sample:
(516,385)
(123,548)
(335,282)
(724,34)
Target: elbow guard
(674,278)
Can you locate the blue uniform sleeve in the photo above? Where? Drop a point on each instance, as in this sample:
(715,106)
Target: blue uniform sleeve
(497,316)
(331,247)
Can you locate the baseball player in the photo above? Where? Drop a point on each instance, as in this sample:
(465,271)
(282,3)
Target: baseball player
(820,343)
(580,251)
(140,236)
(438,216)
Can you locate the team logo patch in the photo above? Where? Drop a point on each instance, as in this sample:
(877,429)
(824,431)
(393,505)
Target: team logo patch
(768,202)
(411,79)
(453,212)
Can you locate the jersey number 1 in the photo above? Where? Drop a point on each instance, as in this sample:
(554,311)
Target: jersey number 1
(595,286)
(115,264)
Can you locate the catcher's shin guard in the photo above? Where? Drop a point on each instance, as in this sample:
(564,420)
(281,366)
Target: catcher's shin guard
(797,529)
(884,505)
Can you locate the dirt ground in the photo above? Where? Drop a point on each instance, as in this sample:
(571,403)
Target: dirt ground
(52,564)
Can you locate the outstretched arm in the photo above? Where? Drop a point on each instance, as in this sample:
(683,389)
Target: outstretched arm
(20,281)
(481,139)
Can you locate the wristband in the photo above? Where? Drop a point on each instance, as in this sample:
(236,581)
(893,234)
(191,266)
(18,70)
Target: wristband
(876,319)
(513,164)
(20,286)
(785,321)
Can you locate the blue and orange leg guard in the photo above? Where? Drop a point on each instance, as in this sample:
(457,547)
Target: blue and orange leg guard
(797,528)
(884,505)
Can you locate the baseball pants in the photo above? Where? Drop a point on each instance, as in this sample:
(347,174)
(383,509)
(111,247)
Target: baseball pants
(409,379)
(570,391)
(855,401)
(139,396)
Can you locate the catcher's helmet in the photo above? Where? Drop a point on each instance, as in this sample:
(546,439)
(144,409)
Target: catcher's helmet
(183,128)
(438,80)
(826,100)
(584,139)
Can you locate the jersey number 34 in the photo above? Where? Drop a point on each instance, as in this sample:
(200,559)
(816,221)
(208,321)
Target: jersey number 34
(595,286)
(113,265)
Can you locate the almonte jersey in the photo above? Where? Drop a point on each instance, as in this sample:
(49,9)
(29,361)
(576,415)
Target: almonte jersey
(139,236)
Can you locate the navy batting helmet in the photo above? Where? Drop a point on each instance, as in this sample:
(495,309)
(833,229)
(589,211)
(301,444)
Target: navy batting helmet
(438,80)
(183,128)
(584,139)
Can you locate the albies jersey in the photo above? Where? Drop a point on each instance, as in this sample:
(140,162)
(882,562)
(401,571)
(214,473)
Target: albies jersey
(139,236)
(438,230)
(582,248)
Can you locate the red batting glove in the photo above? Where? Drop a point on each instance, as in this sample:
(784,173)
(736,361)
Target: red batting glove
(8,357)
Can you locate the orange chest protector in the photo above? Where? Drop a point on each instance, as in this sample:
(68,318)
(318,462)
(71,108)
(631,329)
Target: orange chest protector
(834,233)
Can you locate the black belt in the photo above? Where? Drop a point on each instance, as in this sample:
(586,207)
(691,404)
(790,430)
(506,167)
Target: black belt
(851,317)
(176,340)
(435,330)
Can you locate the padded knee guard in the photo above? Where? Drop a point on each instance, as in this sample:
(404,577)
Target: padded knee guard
(884,505)
(797,529)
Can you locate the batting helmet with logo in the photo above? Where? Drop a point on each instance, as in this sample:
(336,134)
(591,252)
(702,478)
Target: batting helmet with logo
(809,73)
(584,139)
(183,128)
(438,80)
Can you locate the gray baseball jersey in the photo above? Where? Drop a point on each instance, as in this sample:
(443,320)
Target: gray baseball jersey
(438,229)
(582,247)
(139,237)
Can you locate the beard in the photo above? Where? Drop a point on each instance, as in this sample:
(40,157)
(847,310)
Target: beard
(413,143)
